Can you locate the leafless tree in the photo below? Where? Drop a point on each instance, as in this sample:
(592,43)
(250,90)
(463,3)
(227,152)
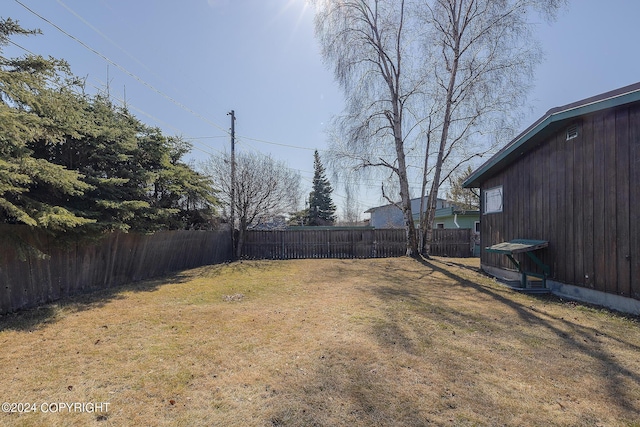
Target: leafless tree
(446,78)
(480,61)
(366,42)
(351,207)
(264,189)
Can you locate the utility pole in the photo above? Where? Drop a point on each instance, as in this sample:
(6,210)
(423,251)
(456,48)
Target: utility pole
(233,179)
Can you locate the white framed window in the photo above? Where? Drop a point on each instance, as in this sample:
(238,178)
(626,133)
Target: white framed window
(440,225)
(493,200)
(477,226)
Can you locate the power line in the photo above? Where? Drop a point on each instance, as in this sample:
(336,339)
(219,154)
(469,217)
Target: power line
(293,169)
(280,144)
(136,77)
(104,36)
(124,70)
(159,92)
(23,48)
(362,182)
(157,120)
(140,80)
(168,125)
(298,147)
(148,85)
(208,137)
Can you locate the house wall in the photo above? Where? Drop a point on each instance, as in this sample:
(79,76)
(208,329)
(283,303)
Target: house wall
(447,221)
(440,203)
(464,221)
(390,216)
(583,196)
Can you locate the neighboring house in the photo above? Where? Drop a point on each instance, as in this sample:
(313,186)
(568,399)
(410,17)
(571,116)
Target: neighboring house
(277,222)
(447,216)
(454,217)
(572,179)
(390,216)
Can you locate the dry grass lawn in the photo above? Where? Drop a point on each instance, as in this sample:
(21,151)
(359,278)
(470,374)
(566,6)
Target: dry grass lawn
(385,342)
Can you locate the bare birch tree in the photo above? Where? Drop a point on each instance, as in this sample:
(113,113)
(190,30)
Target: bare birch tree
(366,42)
(481,61)
(456,70)
(264,189)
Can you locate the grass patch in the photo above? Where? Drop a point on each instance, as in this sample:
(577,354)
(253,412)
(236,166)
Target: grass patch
(388,342)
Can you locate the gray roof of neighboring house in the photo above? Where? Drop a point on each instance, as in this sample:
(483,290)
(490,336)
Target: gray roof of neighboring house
(391,204)
(451,211)
(546,125)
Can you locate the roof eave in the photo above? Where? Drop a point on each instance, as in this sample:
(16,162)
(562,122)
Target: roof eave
(553,116)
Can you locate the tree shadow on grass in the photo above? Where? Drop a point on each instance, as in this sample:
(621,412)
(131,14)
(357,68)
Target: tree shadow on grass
(344,388)
(33,318)
(583,339)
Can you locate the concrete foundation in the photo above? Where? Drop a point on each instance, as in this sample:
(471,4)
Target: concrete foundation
(578,293)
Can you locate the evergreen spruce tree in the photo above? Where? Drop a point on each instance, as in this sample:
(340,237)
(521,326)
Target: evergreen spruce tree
(463,198)
(74,164)
(34,104)
(321,207)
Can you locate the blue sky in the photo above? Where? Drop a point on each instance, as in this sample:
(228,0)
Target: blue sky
(185,64)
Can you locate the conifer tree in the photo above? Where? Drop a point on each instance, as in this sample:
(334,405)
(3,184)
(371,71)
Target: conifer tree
(321,207)
(31,188)
(70,163)
(463,198)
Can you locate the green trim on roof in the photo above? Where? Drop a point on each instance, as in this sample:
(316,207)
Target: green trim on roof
(550,121)
(450,211)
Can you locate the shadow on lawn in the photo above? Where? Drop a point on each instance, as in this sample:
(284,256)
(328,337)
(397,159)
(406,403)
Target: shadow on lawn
(580,338)
(34,318)
(344,389)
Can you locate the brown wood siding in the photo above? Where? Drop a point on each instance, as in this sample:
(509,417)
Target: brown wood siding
(634,202)
(562,163)
(599,219)
(569,215)
(580,169)
(583,196)
(587,267)
(609,247)
(622,202)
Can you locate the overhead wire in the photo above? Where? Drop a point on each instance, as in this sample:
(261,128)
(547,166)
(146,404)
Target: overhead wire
(124,70)
(157,120)
(163,94)
(150,86)
(139,110)
(210,153)
(281,144)
(241,141)
(104,36)
(21,47)
(139,79)
(298,147)
(374,183)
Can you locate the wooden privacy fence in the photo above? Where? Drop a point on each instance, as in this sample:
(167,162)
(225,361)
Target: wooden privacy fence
(348,243)
(34,271)
(324,243)
(453,242)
